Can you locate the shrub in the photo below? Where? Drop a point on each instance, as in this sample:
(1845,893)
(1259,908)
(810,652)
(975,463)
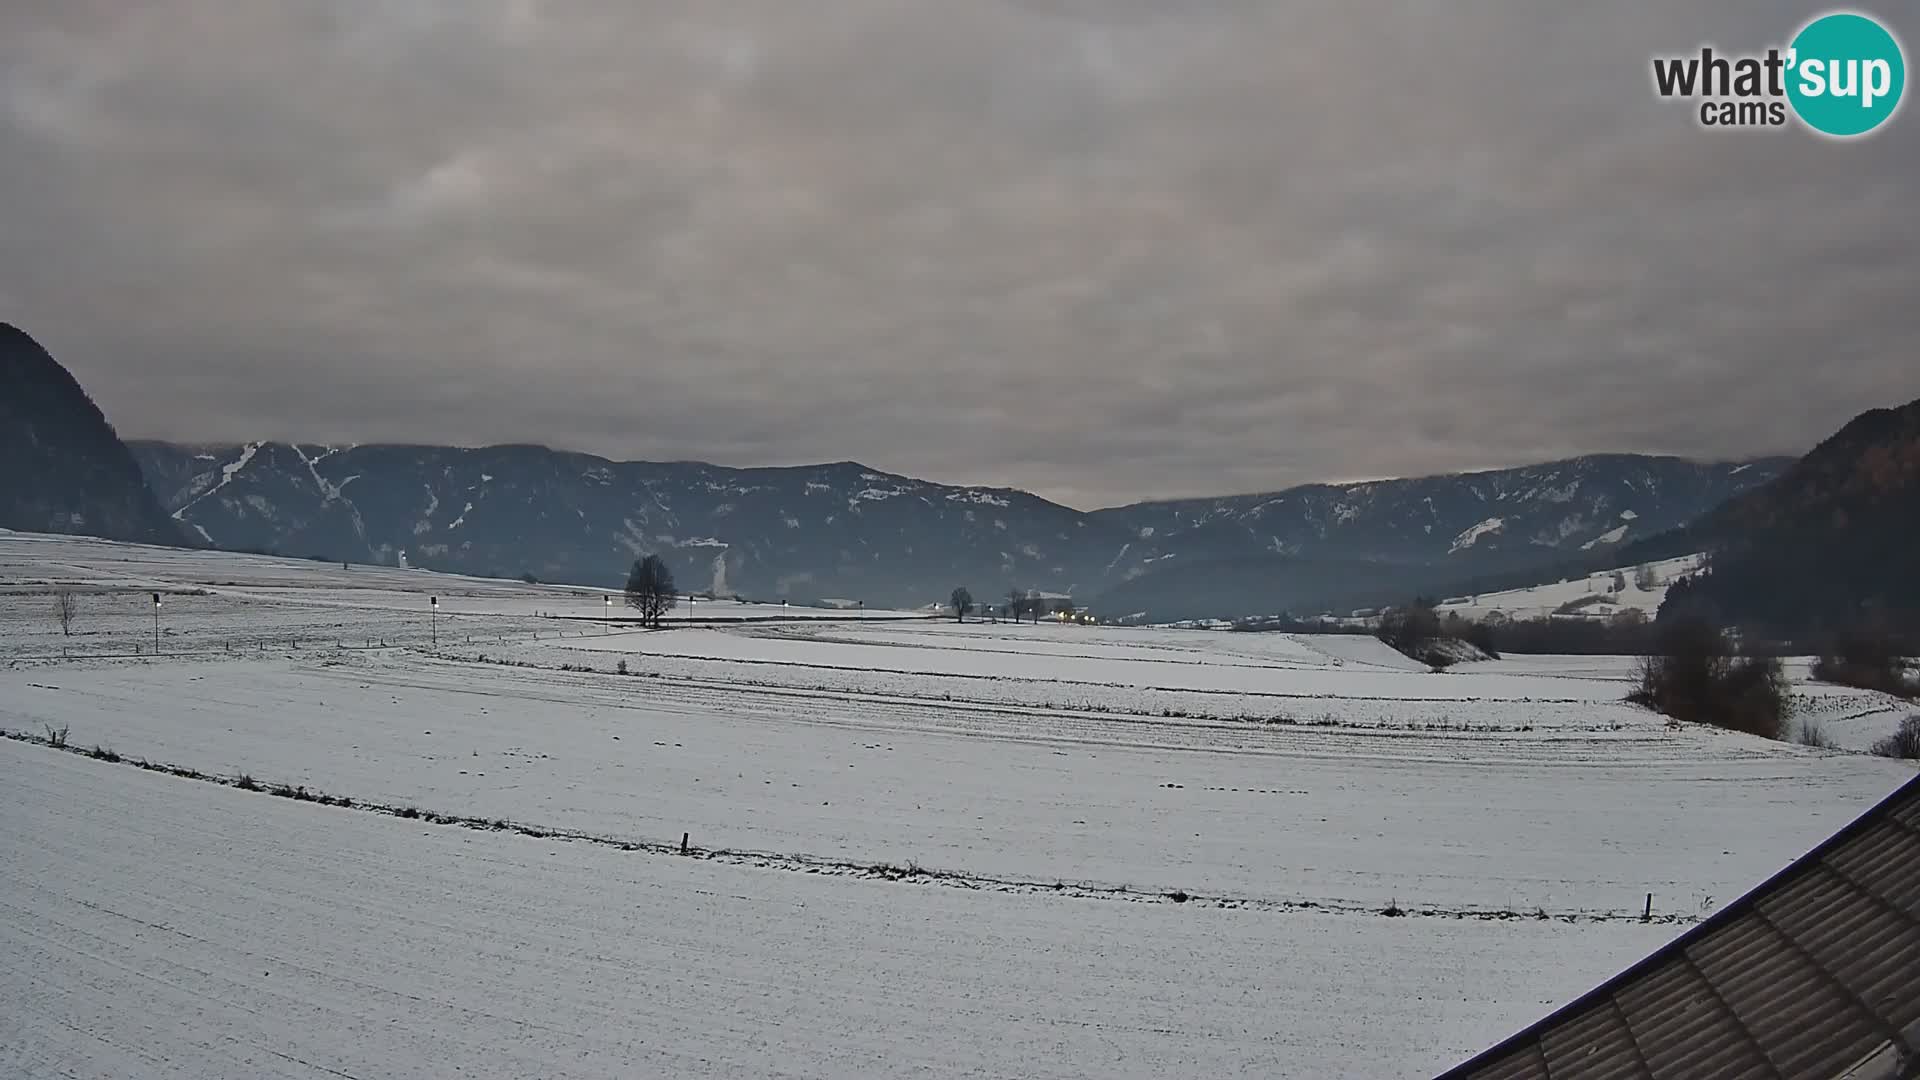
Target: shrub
(1406,628)
(621,668)
(1480,635)
(246,783)
(1904,743)
(56,736)
(1866,660)
(1812,734)
(1419,633)
(103,754)
(1693,677)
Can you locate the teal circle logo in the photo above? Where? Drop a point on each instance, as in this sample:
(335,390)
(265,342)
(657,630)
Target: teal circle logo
(1845,75)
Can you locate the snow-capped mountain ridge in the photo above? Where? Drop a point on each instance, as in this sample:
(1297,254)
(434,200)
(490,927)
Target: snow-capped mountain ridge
(845,529)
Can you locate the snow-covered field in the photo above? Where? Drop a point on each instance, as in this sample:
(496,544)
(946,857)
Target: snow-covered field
(160,928)
(914,847)
(221,602)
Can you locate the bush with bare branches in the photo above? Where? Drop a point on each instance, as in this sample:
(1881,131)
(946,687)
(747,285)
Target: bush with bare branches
(1693,676)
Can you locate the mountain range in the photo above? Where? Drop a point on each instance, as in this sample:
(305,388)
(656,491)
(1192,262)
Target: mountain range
(839,531)
(848,531)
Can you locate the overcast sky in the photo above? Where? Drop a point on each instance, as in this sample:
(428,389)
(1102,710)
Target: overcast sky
(1099,249)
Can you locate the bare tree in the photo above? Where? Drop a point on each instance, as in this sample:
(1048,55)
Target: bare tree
(650,589)
(66,605)
(962,602)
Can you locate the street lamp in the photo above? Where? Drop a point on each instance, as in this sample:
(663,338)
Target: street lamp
(689,607)
(433,619)
(862,605)
(156,624)
(606,622)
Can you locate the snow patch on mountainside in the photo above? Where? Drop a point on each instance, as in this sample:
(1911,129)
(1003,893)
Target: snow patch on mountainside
(1611,536)
(227,473)
(983,498)
(632,539)
(330,493)
(425,524)
(1470,536)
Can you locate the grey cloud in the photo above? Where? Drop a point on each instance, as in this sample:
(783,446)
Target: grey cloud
(1100,250)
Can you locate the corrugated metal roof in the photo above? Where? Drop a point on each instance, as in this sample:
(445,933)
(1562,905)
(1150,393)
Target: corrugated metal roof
(1815,973)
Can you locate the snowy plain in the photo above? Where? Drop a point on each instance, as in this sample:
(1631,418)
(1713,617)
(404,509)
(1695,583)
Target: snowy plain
(162,928)
(226,600)
(918,847)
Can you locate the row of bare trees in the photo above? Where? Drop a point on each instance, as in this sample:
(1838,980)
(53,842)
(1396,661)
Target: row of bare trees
(1020,604)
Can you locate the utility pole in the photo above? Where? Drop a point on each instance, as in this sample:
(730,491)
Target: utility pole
(433,620)
(606,621)
(156,624)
